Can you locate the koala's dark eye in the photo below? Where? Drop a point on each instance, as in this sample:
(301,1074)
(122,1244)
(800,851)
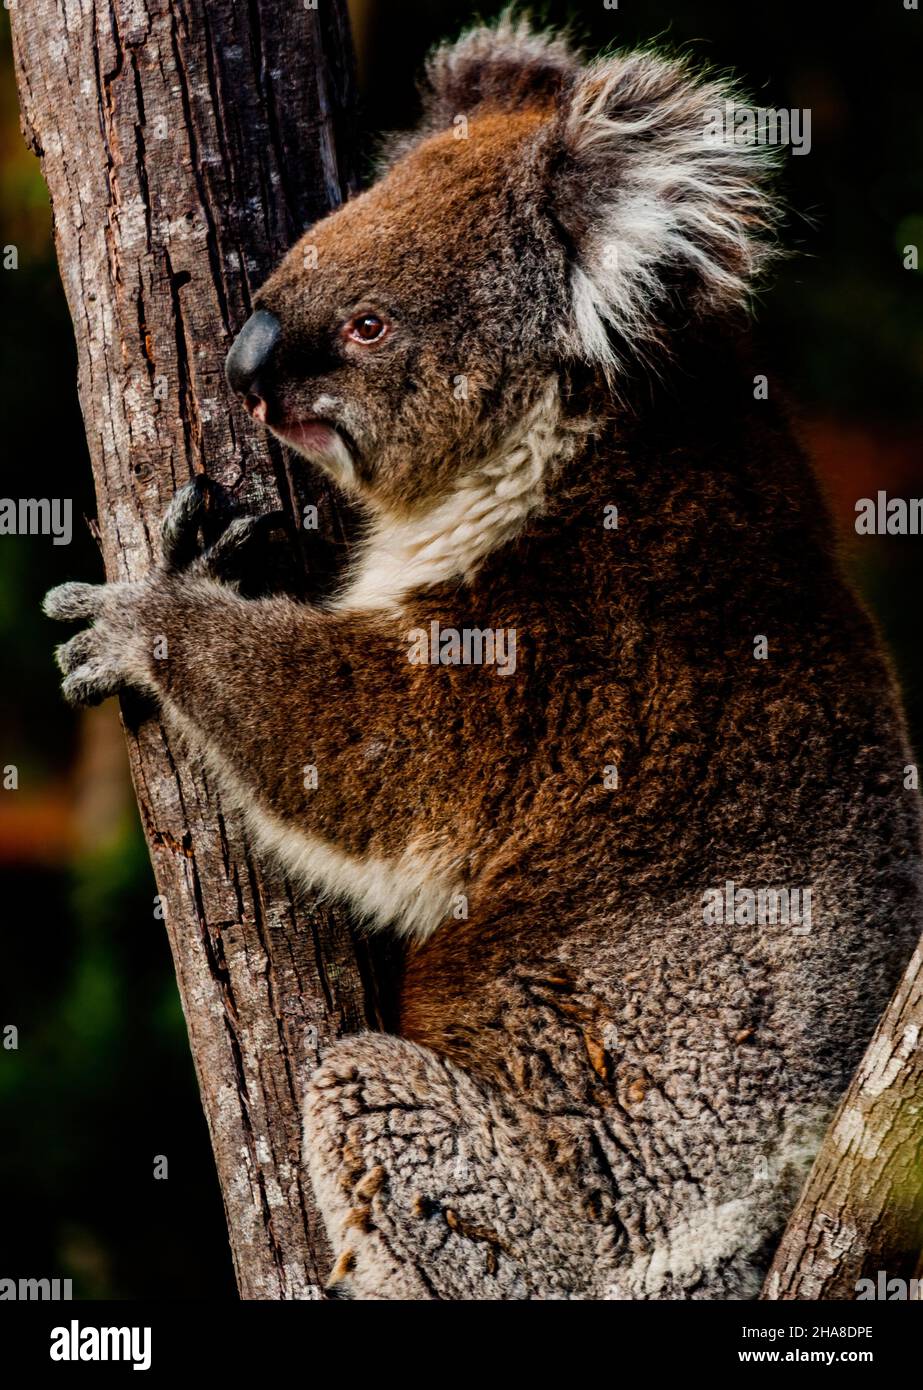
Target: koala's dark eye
(366,328)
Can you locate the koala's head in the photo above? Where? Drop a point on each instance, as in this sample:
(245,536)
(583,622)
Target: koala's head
(546,213)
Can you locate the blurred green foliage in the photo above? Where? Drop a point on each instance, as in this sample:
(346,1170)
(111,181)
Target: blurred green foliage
(100,1085)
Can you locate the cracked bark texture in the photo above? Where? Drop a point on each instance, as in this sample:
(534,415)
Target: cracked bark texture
(186,144)
(861,1209)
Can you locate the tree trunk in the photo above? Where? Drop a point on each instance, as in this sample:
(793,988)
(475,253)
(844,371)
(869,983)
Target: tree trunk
(186,144)
(861,1210)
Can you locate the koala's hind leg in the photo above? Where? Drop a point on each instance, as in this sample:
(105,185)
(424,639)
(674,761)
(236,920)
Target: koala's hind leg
(430,1187)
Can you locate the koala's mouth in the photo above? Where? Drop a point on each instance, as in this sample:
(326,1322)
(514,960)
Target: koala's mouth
(311,432)
(313,435)
(323,442)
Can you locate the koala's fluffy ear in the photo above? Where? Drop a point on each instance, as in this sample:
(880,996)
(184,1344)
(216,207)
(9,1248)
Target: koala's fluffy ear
(504,65)
(660,203)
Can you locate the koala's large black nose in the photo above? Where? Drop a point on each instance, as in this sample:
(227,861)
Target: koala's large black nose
(250,352)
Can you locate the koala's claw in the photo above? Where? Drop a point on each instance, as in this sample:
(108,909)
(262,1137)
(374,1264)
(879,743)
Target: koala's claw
(91,684)
(75,653)
(71,601)
(179,532)
(223,560)
(89,673)
(201,508)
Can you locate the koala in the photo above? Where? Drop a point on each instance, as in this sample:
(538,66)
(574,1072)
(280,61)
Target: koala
(600,729)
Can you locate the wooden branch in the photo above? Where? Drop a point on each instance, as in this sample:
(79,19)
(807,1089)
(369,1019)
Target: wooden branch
(861,1211)
(186,144)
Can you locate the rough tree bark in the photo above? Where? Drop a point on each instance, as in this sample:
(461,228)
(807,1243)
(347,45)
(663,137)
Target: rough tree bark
(186,144)
(861,1210)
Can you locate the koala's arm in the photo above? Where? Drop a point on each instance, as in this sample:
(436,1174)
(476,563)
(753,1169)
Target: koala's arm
(310,712)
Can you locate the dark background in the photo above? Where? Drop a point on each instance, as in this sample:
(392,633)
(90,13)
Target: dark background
(102,1081)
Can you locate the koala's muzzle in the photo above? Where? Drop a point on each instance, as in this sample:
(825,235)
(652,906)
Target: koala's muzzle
(249,357)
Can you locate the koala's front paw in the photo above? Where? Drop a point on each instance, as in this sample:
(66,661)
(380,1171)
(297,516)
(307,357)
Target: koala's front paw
(200,540)
(104,659)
